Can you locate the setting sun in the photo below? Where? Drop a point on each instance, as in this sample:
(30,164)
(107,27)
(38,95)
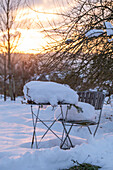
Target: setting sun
(29,21)
(31,41)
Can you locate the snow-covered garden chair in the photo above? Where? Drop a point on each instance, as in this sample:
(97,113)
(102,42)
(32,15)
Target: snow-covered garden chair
(94,98)
(94,101)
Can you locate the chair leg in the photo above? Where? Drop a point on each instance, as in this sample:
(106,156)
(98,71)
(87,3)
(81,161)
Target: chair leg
(89,130)
(98,123)
(66,137)
(65,130)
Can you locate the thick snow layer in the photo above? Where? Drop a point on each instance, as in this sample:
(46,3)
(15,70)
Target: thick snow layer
(94,33)
(49,92)
(87,114)
(109,28)
(15,139)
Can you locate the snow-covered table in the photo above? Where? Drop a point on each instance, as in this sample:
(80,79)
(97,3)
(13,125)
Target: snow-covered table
(49,93)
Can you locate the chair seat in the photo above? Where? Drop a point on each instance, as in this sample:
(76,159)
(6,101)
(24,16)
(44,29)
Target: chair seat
(79,122)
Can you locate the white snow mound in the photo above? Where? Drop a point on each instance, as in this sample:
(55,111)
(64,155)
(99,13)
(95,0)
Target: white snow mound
(87,114)
(49,92)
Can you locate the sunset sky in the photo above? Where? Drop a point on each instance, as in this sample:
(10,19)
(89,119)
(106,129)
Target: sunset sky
(32,40)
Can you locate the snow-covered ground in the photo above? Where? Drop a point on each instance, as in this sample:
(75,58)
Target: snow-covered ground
(15,139)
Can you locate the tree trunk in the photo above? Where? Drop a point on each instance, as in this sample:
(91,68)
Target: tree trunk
(4,77)
(8,51)
(9,68)
(13,85)
(23,71)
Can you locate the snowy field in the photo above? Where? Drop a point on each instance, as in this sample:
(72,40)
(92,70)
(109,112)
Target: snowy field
(16,133)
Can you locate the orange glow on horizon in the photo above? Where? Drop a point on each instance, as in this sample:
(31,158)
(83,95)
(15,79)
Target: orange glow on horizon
(31,41)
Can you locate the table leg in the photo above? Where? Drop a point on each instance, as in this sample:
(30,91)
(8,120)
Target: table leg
(34,138)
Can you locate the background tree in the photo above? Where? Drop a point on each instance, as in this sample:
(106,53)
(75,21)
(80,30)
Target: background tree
(9,38)
(85,46)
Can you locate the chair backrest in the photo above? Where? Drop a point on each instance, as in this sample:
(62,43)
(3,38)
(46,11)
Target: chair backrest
(94,98)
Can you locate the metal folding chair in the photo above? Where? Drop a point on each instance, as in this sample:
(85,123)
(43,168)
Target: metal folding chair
(94,98)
